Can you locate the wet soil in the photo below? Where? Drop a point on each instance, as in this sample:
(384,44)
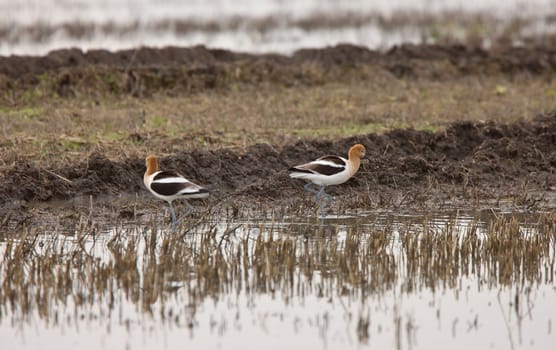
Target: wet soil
(468,161)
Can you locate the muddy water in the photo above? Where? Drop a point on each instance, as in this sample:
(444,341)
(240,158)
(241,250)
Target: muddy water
(381,280)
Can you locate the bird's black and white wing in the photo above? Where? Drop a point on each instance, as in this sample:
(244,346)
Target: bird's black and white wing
(327,166)
(171,183)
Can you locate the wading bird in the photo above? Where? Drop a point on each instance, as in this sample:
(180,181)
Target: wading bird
(169,185)
(329,170)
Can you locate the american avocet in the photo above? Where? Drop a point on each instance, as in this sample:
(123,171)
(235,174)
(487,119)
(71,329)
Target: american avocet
(170,185)
(329,170)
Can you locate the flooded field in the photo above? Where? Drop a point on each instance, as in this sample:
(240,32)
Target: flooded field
(445,237)
(282,26)
(455,279)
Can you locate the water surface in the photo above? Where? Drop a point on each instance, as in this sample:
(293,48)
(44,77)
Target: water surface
(381,280)
(283,26)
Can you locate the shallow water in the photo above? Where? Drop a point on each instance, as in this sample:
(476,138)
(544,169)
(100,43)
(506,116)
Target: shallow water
(39,26)
(380,279)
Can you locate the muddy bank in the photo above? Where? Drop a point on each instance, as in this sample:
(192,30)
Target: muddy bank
(144,71)
(476,161)
(537,58)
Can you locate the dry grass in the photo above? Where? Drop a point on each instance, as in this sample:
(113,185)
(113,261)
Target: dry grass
(242,115)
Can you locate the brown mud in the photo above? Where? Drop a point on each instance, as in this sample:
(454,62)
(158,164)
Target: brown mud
(469,162)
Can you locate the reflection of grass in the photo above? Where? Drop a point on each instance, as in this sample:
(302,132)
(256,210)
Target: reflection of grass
(149,266)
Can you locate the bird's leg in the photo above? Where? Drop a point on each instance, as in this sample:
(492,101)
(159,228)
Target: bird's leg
(189,207)
(328,199)
(308,188)
(319,202)
(174,220)
(321,193)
